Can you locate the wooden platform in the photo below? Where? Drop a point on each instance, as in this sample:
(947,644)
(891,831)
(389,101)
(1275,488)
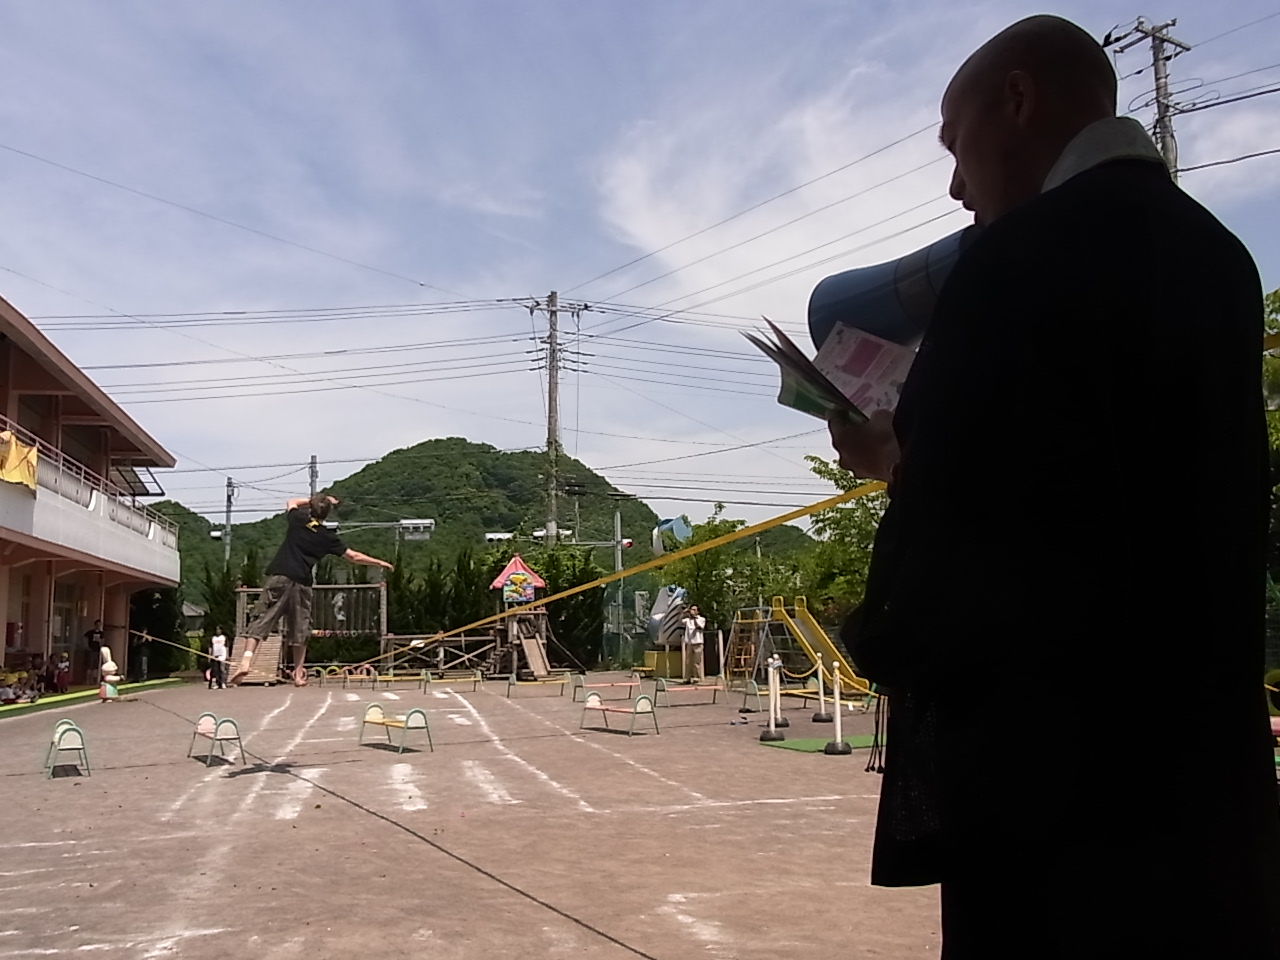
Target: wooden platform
(266,662)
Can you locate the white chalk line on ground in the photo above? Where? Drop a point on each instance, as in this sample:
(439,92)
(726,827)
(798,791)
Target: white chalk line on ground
(206,873)
(347,723)
(214,771)
(763,801)
(388,695)
(572,735)
(508,752)
(709,933)
(296,793)
(409,796)
(482,777)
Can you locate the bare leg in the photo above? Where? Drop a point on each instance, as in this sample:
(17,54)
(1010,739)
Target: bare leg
(246,662)
(299,664)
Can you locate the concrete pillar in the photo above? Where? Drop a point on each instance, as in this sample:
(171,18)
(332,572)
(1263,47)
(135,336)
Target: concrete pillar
(115,625)
(36,634)
(4,607)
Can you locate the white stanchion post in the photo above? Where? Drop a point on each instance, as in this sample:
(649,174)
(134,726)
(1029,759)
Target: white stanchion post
(837,747)
(772,733)
(821,716)
(779,721)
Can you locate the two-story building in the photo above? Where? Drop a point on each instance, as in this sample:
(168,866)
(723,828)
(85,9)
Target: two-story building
(75,542)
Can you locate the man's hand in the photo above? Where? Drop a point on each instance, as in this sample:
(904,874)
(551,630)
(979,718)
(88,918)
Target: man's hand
(332,499)
(386,566)
(867,450)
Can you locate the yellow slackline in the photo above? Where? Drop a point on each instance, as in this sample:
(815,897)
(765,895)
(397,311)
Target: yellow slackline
(147,636)
(653,564)
(1271,342)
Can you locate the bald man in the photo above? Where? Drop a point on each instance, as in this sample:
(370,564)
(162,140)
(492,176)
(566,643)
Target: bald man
(1067,591)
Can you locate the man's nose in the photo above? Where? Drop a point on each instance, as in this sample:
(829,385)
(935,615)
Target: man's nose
(957,185)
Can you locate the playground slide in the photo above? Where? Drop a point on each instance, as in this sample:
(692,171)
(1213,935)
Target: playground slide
(534,655)
(814,640)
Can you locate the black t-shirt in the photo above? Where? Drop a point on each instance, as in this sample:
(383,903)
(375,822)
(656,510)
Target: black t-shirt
(93,639)
(305,542)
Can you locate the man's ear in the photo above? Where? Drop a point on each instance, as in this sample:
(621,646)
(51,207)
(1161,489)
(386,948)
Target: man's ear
(1020,97)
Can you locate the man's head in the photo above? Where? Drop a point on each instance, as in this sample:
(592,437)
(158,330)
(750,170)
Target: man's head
(693,610)
(1015,104)
(320,507)
(97,624)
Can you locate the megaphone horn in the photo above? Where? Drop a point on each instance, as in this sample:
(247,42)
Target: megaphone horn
(892,300)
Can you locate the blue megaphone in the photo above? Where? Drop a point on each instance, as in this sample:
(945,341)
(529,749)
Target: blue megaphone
(893,300)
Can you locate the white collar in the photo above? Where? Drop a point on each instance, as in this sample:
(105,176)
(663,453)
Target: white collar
(1115,138)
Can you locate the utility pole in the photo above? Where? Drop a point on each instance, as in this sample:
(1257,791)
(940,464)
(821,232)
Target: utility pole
(553,412)
(315,474)
(617,496)
(226,523)
(1161,44)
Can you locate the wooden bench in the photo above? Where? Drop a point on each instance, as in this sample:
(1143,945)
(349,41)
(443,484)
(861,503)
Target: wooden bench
(390,679)
(580,684)
(560,678)
(453,677)
(641,706)
(664,687)
(415,719)
(216,731)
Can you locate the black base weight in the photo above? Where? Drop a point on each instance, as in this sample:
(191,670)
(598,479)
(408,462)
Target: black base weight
(747,710)
(823,718)
(771,736)
(837,748)
(782,722)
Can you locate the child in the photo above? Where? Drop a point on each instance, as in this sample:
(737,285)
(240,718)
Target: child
(62,679)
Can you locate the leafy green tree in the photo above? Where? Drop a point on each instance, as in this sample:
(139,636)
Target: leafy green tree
(576,622)
(251,568)
(218,588)
(158,613)
(834,572)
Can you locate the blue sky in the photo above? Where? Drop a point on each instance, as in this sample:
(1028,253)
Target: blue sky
(495,151)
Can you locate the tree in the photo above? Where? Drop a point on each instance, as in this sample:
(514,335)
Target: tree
(219,590)
(834,573)
(719,581)
(158,613)
(251,568)
(576,622)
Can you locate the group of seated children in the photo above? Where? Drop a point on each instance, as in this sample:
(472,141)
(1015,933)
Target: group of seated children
(44,676)
(19,688)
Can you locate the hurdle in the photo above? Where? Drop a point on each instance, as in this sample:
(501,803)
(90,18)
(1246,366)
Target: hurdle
(771,733)
(580,684)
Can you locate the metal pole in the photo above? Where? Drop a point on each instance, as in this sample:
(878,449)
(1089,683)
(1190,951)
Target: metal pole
(315,474)
(226,523)
(553,412)
(1161,44)
(617,566)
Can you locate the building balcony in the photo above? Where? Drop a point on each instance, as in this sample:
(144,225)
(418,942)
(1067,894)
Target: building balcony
(77,514)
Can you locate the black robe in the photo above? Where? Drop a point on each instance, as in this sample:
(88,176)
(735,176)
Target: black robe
(1066,598)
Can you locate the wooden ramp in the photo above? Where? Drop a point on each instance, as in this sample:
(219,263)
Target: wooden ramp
(535,654)
(266,662)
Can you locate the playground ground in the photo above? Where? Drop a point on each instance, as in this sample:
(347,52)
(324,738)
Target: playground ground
(518,837)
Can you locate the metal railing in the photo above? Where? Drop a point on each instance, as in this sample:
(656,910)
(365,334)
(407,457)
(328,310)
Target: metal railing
(71,480)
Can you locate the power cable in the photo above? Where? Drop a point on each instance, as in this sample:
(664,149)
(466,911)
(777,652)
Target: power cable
(1243,26)
(1222,163)
(224,220)
(755,206)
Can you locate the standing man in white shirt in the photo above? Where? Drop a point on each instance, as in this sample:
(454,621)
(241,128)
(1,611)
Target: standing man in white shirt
(694,625)
(218,661)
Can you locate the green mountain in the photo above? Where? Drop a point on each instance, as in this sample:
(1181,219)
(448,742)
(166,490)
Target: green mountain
(469,489)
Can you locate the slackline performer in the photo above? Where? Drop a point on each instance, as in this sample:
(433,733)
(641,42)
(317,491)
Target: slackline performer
(287,589)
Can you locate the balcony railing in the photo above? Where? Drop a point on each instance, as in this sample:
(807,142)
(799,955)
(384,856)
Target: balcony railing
(59,474)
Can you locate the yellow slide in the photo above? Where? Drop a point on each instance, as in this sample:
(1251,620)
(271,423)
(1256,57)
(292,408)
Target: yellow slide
(814,640)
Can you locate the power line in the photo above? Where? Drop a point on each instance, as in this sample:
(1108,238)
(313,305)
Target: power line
(709,453)
(1243,26)
(223,220)
(1223,103)
(781,226)
(755,206)
(1222,163)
